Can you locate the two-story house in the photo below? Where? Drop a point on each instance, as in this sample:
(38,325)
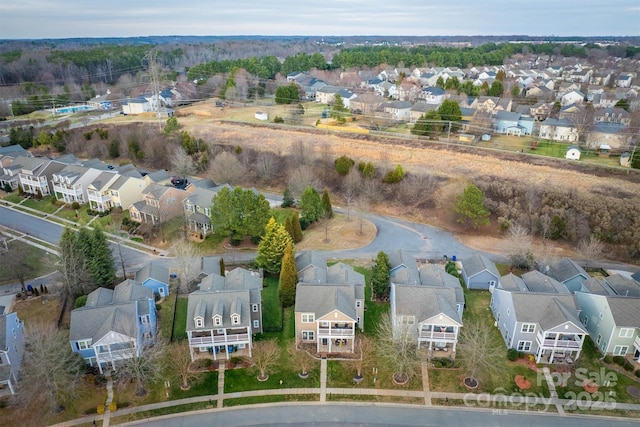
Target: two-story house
(612,321)
(432,95)
(224,313)
(612,115)
(99,191)
(329,304)
(398,110)
(114,325)
(537,315)
(11,350)
(9,173)
(70,184)
(558,130)
(430,311)
(34,174)
(126,190)
(511,123)
(197,209)
(569,273)
(160,203)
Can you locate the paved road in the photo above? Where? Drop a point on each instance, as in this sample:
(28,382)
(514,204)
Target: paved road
(368,414)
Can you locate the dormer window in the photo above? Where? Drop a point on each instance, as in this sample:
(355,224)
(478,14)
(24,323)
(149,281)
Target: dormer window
(235,319)
(199,321)
(217,320)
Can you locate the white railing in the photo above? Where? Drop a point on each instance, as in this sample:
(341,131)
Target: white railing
(336,332)
(126,353)
(219,340)
(437,336)
(561,343)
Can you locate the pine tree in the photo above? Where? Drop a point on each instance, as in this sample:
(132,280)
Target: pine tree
(311,205)
(288,278)
(101,265)
(288,225)
(470,207)
(381,276)
(326,203)
(272,246)
(297,229)
(287,199)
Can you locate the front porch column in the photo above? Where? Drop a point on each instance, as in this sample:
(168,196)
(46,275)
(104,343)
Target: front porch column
(250,341)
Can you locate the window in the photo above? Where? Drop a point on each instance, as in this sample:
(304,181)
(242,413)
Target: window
(492,283)
(199,322)
(585,320)
(599,339)
(217,321)
(254,308)
(235,319)
(308,318)
(508,312)
(408,320)
(324,324)
(144,319)
(308,335)
(524,345)
(600,316)
(626,332)
(256,324)
(620,350)
(358,304)
(528,328)
(83,345)
(242,345)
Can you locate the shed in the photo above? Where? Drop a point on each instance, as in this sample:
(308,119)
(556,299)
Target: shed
(261,115)
(573,153)
(625,159)
(604,150)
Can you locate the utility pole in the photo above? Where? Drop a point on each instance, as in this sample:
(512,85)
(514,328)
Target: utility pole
(448,133)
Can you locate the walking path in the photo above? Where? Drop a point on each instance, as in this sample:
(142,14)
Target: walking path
(107,412)
(475,400)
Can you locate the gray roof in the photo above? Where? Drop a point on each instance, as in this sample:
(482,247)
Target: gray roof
(159,176)
(203,183)
(512,283)
(72,172)
(423,107)
(598,286)
(68,159)
(235,280)
(322,299)
(156,190)
(14,151)
(608,127)
(435,276)
(566,269)
(623,286)
(477,264)
(538,282)
(312,267)
(343,273)
(101,181)
(625,311)
(547,310)
(154,270)
(425,302)
(210,265)
(3,332)
(508,115)
(636,276)
(404,269)
(401,105)
(201,197)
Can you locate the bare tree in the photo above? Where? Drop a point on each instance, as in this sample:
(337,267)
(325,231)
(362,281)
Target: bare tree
(181,163)
(301,359)
(478,352)
(519,242)
(226,168)
(264,355)
(15,262)
(267,165)
(301,178)
(301,153)
(591,248)
(363,207)
(144,368)
(397,348)
(188,261)
(364,352)
(51,373)
(350,189)
(180,360)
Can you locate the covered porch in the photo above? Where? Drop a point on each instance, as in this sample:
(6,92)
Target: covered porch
(557,347)
(221,343)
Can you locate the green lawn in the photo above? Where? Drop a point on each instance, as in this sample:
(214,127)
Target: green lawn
(281,214)
(43,205)
(81,218)
(270,399)
(180,325)
(212,244)
(205,384)
(246,378)
(271,309)
(38,262)
(166,316)
(13,197)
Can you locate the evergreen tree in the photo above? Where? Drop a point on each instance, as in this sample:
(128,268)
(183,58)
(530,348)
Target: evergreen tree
(381,276)
(344,165)
(272,246)
(297,229)
(470,207)
(326,204)
(311,205)
(288,278)
(288,225)
(287,199)
(101,265)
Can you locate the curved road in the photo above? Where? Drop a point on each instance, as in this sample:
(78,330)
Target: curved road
(354,414)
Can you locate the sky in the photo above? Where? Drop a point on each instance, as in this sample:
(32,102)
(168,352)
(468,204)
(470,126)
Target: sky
(36,19)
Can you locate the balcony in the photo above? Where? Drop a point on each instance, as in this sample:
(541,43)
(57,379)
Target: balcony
(218,340)
(108,356)
(562,342)
(437,336)
(336,332)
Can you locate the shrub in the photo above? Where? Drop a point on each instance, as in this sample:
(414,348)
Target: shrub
(628,366)
(113,406)
(80,301)
(638,373)
(19,295)
(618,360)
(512,354)
(437,363)
(608,359)
(100,409)
(344,165)
(521,355)
(395,175)
(75,205)
(278,119)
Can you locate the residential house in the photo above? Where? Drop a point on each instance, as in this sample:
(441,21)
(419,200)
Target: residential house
(419,109)
(615,135)
(366,103)
(70,184)
(404,268)
(571,97)
(197,209)
(491,104)
(34,174)
(160,176)
(511,123)
(114,325)
(98,192)
(11,350)
(430,311)
(224,313)
(478,272)
(136,106)
(160,203)
(623,80)
(612,322)
(569,273)
(125,191)
(612,115)
(432,95)
(398,110)
(539,92)
(327,94)
(382,87)
(558,130)
(407,91)
(329,304)
(428,79)
(9,175)
(155,276)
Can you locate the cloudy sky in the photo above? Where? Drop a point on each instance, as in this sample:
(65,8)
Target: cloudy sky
(35,19)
